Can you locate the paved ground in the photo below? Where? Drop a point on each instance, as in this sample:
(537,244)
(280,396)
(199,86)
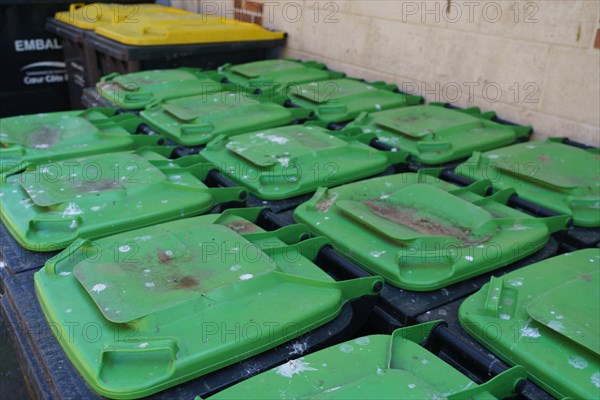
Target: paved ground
(12,384)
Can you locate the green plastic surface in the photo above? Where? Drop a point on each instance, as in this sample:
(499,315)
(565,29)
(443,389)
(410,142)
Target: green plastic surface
(556,176)
(56,136)
(289,161)
(179,300)
(276,72)
(435,135)
(374,367)
(340,100)
(421,233)
(137,90)
(545,317)
(48,206)
(196,120)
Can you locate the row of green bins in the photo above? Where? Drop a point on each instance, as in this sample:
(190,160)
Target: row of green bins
(332,97)
(432,241)
(545,318)
(101,38)
(190,297)
(556,175)
(434,134)
(46,138)
(398,366)
(48,206)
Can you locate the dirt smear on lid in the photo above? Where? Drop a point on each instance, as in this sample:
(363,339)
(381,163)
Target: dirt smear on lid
(409,217)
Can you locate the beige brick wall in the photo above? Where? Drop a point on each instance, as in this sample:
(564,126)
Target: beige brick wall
(533,62)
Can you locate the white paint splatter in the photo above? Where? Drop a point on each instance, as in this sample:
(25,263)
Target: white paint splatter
(556,325)
(293,367)
(124,248)
(65,273)
(168,253)
(412,386)
(333,389)
(69,310)
(143,345)
(516,282)
(346,348)
(595,379)
(377,254)
(149,284)
(578,362)
(299,348)
(72,209)
(505,317)
(96,208)
(527,331)
(362,341)
(246,277)
(469,258)
(99,287)
(2,265)
(272,138)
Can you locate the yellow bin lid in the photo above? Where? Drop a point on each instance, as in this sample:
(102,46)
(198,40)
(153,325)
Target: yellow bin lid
(91,16)
(171,29)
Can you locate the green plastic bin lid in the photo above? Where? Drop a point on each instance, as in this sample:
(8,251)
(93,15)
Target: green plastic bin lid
(374,367)
(545,317)
(56,136)
(196,120)
(293,160)
(340,100)
(48,206)
(554,175)
(178,292)
(280,71)
(137,90)
(421,233)
(435,135)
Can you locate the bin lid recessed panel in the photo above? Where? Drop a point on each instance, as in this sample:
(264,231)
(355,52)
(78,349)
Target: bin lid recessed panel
(556,176)
(421,233)
(436,135)
(56,136)
(370,367)
(341,100)
(293,160)
(169,285)
(280,71)
(549,312)
(140,89)
(197,120)
(50,205)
